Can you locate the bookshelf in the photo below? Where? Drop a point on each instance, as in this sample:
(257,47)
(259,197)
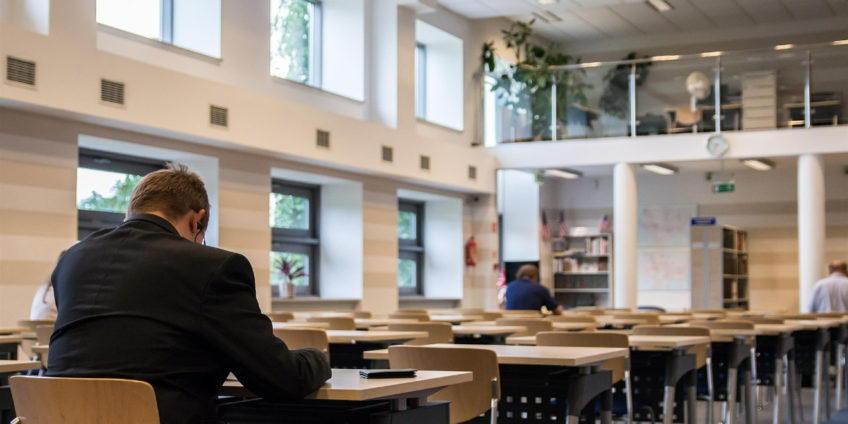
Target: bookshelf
(582,266)
(719,268)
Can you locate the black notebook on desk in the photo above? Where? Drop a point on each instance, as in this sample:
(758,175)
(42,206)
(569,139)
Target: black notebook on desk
(388,373)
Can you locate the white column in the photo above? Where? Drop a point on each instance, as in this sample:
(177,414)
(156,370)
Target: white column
(811,225)
(624,235)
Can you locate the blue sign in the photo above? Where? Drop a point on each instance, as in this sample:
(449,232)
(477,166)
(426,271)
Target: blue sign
(703,221)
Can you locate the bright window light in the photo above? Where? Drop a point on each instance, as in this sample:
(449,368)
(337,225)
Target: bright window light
(784,46)
(563,173)
(295,41)
(141,17)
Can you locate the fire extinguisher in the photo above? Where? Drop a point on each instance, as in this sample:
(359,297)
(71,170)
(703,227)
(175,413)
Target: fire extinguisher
(471,252)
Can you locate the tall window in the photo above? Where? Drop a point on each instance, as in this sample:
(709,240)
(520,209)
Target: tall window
(410,248)
(190,24)
(294,236)
(104,185)
(420,81)
(296,40)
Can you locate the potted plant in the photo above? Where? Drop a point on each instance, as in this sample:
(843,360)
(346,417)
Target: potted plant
(290,272)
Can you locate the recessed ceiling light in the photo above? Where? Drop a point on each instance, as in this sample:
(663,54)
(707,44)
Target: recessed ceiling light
(590,64)
(660,5)
(665,58)
(784,46)
(840,43)
(759,164)
(547,2)
(711,54)
(658,168)
(564,173)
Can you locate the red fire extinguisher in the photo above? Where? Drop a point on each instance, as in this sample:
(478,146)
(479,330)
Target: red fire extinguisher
(471,252)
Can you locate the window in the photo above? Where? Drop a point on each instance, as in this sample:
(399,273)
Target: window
(104,185)
(410,248)
(420,81)
(296,40)
(190,24)
(294,236)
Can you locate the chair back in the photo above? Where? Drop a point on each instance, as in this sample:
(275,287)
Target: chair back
(701,351)
(572,318)
(280,316)
(586,311)
(439,332)
(52,400)
(467,400)
(798,316)
(532,325)
(32,323)
(336,323)
(420,316)
(362,314)
(490,316)
(599,339)
(470,311)
(298,338)
(43,333)
(645,317)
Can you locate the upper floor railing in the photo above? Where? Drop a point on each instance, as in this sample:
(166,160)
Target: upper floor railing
(788,86)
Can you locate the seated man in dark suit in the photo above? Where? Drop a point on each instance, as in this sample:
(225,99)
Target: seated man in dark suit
(148,301)
(526,293)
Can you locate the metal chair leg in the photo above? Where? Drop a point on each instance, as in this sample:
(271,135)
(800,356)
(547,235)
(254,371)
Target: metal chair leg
(628,389)
(711,391)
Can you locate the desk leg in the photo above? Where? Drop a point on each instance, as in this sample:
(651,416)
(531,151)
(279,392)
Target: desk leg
(730,410)
(711,390)
(692,398)
(826,383)
(793,390)
(668,403)
(818,387)
(754,372)
(778,390)
(606,407)
(840,351)
(750,398)
(628,388)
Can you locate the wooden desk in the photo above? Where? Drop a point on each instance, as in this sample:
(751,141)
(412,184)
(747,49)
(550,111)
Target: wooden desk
(607,320)
(14,330)
(347,347)
(647,343)
(366,323)
(9,346)
(301,324)
(486,330)
(16,366)
(674,319)
(575,326)
(40,349)
(533,355)
(407,397)
(357,336)
(456,319)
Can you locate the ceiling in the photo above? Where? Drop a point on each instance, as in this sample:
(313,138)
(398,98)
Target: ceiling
(582,20)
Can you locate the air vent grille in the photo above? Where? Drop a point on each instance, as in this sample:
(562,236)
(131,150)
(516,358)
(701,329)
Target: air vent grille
(388,154)
(322,138)
(425,162)
(112,91)
(19,70)
(472,172)
(218,116)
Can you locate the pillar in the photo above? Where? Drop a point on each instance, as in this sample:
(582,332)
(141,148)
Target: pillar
(811,225)
(624,235)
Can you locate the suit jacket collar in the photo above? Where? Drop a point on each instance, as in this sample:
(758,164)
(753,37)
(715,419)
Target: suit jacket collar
(153,219)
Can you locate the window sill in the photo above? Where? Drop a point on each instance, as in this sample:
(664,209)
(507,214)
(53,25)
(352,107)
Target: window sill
(284,81)
(439,126)
(158,44)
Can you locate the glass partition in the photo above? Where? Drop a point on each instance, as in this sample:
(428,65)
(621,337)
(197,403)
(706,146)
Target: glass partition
(829,86)
(593,102)
(508,112)
(763,90)
(675,96)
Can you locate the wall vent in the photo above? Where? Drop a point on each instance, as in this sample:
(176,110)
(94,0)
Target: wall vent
(112,91)
(20,71)
(322,138)
(472,172)
(218,115)
(388,154)
(425,162)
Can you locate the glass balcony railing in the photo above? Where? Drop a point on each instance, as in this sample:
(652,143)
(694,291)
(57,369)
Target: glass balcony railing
(784,87)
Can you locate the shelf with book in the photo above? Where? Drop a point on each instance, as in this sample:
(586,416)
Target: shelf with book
(719,270)
(582,268)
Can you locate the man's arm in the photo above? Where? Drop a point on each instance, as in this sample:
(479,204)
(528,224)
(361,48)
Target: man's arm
(235,326)
(549,301)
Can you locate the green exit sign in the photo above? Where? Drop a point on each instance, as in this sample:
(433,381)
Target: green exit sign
(728,187)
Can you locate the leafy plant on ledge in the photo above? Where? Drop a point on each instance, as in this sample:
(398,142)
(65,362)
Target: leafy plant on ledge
(290,273)
(527,83)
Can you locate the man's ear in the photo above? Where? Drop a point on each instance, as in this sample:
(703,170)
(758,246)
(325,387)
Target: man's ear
(197,220)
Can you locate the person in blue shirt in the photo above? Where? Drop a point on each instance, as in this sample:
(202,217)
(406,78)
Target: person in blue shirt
(526,293)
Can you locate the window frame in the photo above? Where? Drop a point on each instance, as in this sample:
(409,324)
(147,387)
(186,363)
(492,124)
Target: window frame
(298,240)
(89,221)
(420,80)
(413,249)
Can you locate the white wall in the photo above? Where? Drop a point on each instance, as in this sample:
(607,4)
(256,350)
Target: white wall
(518,199)
(443,75)
(29,15)
(443,248)
(341,240)
(343,56)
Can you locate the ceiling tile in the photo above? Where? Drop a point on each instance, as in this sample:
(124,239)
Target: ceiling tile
(686,17)
(765,11)
(724,13)
(576,27)
(645,17)
(473,9)
(808,9)
(607,21)
(839,6)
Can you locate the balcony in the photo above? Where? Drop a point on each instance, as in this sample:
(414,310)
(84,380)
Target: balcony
(788,86)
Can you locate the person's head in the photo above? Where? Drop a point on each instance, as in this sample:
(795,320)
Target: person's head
(838,266)
(176,194)
(528,272)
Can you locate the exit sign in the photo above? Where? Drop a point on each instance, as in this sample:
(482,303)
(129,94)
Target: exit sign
(725,187)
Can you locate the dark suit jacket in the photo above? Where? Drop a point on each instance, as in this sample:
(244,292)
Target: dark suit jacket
(140,302)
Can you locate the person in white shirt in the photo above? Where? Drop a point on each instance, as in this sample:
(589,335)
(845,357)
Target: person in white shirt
(44,302)
(831,293)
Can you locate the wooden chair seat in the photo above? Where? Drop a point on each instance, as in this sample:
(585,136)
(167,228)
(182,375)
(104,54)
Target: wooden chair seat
(700,351)
(298,338)
(362,314)
(467,400)
(336,323)
(439,332)
(573,318)
(51,400)
(646,317)
(420,316)
(31,324)
(532,325)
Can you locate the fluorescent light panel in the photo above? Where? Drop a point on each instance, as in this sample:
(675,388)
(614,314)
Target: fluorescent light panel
(711,54)
(547,2)
(658,168)
(590,64)
(665,58)
(784,46)
(840,43)
(564,173)
(759,164)
(660,5)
